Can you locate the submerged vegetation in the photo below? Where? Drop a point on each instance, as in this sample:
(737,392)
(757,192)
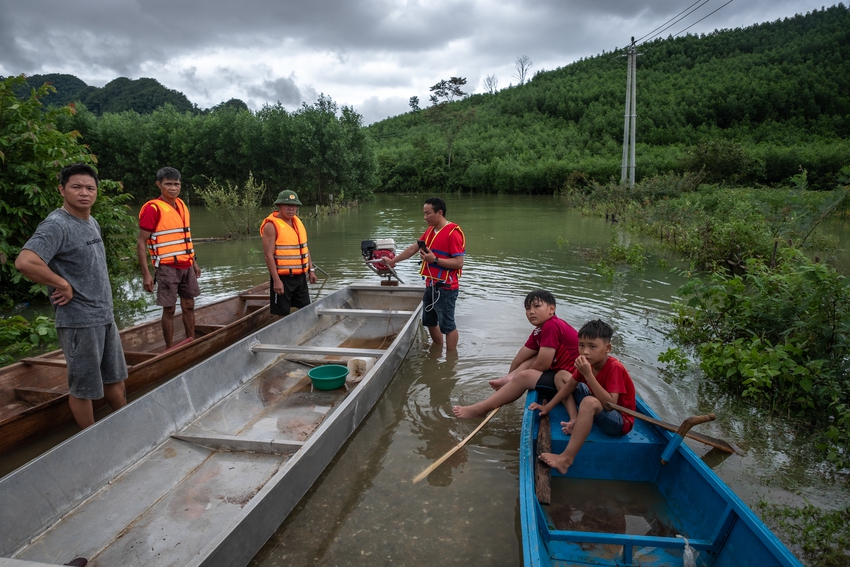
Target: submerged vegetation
(764,312)
(822,536)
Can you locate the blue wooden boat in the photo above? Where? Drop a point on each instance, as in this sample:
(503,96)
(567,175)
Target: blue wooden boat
(618,505)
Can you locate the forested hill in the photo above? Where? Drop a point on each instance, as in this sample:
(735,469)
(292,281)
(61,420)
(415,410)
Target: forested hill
(750,105)
(140,95)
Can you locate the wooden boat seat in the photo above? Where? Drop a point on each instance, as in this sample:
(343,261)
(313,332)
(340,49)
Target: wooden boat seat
(595,453)
(45,361)
(37,396)
(201,330)
(133,357)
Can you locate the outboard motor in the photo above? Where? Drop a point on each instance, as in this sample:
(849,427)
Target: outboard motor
(374,251)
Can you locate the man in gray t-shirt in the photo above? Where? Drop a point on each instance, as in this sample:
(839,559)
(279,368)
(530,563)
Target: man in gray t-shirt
(66,254)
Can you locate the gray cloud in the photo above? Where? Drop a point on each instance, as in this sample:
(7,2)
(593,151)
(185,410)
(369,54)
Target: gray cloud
(283,90)
(372,54)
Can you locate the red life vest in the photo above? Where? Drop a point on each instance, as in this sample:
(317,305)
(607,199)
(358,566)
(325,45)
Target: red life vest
(439,242)
(290,251)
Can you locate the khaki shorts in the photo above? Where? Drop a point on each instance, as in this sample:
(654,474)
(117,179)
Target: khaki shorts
(171,282)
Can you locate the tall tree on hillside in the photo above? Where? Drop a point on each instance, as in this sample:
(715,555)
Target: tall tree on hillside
(491,84)
(447,91)
(448,119)
(414,104)
(523,67)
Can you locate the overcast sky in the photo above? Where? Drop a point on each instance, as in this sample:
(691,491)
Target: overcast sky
(370,54)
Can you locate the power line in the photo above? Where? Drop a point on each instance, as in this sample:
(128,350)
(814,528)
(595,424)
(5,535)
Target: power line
(691,11)
(667,22)
(704,17)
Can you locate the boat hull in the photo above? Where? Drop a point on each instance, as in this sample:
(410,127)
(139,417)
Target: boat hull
(618,505)
(225,322)
(203,469)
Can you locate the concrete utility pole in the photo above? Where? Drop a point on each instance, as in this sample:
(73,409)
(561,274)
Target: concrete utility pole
(631,115)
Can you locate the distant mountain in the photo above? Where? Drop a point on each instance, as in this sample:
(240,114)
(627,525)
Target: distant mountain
(140,95)
(68,88)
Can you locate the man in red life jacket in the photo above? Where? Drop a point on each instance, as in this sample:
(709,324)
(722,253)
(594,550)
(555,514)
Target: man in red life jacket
(442,255)
(287,256)
(164,231)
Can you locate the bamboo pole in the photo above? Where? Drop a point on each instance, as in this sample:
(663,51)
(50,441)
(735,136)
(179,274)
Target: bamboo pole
(454,449)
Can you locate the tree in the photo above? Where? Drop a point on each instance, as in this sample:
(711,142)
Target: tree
(414,104)
(523,66)
(33,153)
(450,121)
(447,91)
(491,84)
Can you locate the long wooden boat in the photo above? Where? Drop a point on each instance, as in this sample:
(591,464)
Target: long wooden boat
(34,391)
(203,469)
(618,505)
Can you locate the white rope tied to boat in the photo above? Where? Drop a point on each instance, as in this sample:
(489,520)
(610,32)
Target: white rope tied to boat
(688,555)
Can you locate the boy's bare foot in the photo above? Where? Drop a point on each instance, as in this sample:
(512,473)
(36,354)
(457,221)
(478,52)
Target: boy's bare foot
(559,462)
(498,382)
(567,427)
(464,412)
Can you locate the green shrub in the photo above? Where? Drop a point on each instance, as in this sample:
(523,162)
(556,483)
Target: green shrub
(19,337)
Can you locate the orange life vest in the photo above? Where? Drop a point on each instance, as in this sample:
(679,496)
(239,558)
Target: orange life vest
(438,243)
(171,242)
(290,250)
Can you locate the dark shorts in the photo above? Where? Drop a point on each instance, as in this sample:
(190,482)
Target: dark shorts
(545,388)
(438,308)
(94,357)
(171,282)
(295,294)
(610,422)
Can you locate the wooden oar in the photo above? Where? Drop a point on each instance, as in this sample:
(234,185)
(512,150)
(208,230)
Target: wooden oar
(711,441)
(454,449)
(542,471)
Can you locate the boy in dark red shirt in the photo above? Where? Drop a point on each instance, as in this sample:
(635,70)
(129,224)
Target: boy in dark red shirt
(598,378)
(551,348)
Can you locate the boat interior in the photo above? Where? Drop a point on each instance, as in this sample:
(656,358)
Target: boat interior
(619,505)
(192,470)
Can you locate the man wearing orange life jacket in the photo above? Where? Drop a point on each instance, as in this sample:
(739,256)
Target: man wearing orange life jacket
(164,232)
(441,253)
(287,256)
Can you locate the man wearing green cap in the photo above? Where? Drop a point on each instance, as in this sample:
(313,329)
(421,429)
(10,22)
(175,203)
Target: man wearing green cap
(287,256)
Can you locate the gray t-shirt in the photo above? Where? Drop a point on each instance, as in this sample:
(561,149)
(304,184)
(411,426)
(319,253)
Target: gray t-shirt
(73,248)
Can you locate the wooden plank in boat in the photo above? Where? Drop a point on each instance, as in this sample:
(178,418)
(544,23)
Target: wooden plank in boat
(146,361)
(207,329)
(253,297)
(325,351)
(365,312)
(45,361)
(36,396)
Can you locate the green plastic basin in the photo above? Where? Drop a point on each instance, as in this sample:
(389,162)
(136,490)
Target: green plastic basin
(328,376)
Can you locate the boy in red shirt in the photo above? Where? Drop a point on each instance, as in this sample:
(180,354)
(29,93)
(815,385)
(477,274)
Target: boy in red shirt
(551,348)
(598,378)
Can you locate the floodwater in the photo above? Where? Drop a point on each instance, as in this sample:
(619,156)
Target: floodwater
(365,509)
